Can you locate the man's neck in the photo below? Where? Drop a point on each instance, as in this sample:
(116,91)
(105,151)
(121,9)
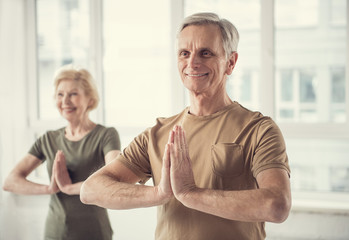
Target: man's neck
(204,105)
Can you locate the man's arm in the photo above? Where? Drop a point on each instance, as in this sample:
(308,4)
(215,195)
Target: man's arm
(270,202)
(114,187)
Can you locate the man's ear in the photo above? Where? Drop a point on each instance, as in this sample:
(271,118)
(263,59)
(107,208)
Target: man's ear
(231,62)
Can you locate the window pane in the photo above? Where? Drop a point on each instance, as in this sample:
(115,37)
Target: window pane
(338,9)
(314,51)
(338,85)
(287,85)
(137,61)
(243,84)
(307,87)
(319,164)
(62,38)
(296,13)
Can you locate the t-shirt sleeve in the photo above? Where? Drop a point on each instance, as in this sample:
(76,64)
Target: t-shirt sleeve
(270,148)
(37,149)
(111,140)
(136,158)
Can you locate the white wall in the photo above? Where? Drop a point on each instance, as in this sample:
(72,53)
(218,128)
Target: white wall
(22,217)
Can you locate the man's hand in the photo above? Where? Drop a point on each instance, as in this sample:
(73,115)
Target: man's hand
(164,188)
(181,173)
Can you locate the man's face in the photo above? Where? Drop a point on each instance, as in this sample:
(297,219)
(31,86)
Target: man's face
(202,62)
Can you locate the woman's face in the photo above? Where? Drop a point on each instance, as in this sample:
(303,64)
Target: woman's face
(71,101)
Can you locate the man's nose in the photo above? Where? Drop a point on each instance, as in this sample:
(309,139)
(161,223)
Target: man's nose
(194,61)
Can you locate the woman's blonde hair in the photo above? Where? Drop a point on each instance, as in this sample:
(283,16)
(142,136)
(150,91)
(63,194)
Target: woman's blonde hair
(82,77)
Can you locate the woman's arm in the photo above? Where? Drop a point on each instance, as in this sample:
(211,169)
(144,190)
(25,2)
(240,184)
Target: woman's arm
(17,182)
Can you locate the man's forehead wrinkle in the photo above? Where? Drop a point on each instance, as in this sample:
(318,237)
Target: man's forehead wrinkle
(200,37)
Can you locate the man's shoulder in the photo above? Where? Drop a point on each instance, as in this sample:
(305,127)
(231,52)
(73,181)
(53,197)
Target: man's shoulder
(243,115)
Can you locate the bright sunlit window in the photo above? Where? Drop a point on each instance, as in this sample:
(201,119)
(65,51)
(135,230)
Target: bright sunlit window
(310,62)
(63,37)
(310,80)
(137,71)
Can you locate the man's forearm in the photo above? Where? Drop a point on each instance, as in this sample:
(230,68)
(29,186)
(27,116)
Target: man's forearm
(257,205)
(104,191)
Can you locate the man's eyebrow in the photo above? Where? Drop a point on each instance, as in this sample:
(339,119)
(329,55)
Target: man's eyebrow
(206,49)
(200,49)
(181,50)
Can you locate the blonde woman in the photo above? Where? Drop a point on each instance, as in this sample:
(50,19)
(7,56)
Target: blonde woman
(72,153)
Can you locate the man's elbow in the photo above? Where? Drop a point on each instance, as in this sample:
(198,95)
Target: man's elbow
(280,209)
(86,194)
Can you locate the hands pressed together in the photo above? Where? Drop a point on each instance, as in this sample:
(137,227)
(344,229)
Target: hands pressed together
(60,179)
(177,178)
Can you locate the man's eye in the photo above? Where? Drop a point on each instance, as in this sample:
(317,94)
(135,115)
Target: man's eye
(206,53)
(184,54)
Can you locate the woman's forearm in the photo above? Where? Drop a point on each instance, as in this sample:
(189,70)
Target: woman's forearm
(21,185)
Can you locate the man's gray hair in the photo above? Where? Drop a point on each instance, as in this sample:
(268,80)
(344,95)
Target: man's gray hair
(230,35)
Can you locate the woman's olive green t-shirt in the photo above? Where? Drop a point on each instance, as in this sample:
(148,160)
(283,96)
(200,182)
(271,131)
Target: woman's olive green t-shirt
(68,217)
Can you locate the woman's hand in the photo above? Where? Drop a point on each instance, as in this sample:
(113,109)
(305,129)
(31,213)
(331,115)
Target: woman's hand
(60,173)
(53,187)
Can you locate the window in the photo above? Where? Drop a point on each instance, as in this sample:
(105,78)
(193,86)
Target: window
(338,95)
(296,13)
(309,61)
(314,58)
(310,92)
(62,37)
(137,74)
(338,12)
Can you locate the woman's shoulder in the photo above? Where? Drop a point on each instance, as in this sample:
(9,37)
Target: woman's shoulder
(101,130)
(53,133)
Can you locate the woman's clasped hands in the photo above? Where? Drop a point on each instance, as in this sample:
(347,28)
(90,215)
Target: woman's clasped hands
(60,179)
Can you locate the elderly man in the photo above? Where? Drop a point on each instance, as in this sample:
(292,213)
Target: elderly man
(219,170)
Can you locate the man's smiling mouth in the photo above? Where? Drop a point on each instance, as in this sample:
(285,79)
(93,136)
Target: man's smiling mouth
(197,75)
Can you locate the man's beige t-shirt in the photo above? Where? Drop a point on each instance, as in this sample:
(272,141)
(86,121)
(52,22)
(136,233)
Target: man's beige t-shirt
(227,149)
